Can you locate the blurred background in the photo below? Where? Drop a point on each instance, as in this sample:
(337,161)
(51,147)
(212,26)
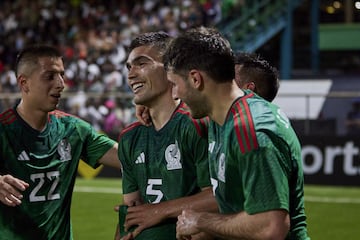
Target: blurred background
(314,44)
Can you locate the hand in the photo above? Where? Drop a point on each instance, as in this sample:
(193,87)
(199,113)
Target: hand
(143,216)
(129,236)
(202,236)
(186,225)
(117,233)
(143,115)
(10,188)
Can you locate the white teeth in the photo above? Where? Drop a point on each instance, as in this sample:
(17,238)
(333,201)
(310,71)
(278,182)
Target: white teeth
(137,85)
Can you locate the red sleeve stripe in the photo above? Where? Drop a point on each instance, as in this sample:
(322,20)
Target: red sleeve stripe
(251,126)
(128,128)
(8,117)
(244,127)
(197,126)
(237,130)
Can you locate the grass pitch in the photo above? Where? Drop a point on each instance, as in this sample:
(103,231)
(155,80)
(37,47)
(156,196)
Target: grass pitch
(332,212)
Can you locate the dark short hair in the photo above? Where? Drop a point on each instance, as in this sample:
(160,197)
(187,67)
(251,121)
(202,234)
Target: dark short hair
(204,49)
(31,55)
(258,70)
(159,40)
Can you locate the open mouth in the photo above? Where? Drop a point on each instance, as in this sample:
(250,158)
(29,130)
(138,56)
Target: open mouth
(56,96)
(136,87)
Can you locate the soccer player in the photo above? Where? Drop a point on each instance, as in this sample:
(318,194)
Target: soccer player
(254,154)
(251,72)
(40,148)
(254,73)
(165,166)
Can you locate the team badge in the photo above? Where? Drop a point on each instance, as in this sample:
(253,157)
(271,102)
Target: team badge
(221,168)
(173,156)
(64,150)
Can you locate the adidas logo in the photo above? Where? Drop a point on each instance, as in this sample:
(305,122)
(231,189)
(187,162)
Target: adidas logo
(211,146)
(140,158)
(23,156)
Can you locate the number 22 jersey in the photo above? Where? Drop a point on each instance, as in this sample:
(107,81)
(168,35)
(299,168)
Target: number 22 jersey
(48,161)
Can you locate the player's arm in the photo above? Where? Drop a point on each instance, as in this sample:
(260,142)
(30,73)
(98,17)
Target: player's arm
(148,215)
(110,158)
(274,224)
(129,199)
(10,190)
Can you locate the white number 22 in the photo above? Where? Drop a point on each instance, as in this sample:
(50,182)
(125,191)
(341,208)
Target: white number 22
(40,179)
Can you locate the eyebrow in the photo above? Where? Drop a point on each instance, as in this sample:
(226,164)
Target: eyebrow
(51,72)
(139,58)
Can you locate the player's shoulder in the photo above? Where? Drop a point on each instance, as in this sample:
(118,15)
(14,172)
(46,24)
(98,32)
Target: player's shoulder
(254,105)
(184,115)
(7,117)
(60,114)
(183,111)
(64,117)
(67,120)
(131,127)
(182,108)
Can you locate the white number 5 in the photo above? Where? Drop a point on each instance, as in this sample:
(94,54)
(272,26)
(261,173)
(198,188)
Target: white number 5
(151,191)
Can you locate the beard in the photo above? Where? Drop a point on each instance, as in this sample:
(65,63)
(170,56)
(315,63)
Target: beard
(197,114)
(198,108)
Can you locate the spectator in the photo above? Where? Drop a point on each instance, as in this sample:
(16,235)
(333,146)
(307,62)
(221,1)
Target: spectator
(353,118)
(93,35)
(256,74)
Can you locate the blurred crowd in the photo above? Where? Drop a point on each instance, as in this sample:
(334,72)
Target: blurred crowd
(93,36)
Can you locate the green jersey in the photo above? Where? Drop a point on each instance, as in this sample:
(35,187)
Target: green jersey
(255,162)
(48,161)
(166,164)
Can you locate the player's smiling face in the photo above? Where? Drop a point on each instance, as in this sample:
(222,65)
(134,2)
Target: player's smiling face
(45,84)
(146,77)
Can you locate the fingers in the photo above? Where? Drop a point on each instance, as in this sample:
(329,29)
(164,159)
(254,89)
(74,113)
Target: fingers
(180,237)
(116,208)
(128,236)
(12,201)
(137,231)
(143,115)
(10,188)
(146,118)
(14,182)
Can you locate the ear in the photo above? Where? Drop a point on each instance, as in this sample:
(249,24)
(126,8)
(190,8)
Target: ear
(23,83)
(196,79)
(250,85)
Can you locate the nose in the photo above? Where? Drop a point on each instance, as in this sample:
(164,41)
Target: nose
(60,82)
(131,72)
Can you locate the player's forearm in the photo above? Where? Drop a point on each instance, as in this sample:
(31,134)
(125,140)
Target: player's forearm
(202,201)
(111,158)
(132,199)
(268,225)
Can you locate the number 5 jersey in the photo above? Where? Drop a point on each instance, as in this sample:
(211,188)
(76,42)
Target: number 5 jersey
(166,164)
